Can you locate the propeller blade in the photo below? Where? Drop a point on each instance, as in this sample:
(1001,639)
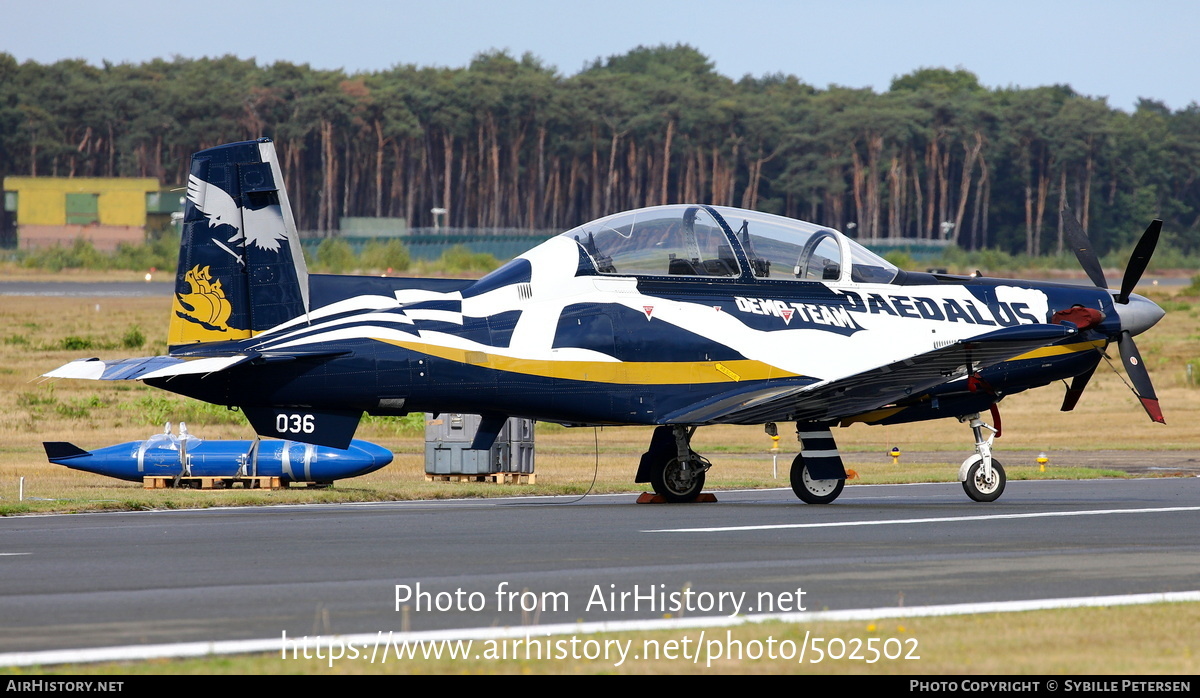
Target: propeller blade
(1076,389)
(1141,257)
(1136,369)
(1079,242)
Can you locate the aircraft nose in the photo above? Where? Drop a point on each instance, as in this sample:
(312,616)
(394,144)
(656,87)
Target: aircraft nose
(1139,314)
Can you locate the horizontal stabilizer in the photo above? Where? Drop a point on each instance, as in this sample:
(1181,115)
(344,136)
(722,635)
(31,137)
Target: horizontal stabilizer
(199,366)
(170,366)
(144,368)
(120,369)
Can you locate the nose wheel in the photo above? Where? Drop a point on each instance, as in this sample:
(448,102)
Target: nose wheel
(981,475)
(980,485)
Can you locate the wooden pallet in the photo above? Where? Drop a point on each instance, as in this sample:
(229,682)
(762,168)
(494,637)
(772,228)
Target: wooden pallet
(158,482)
(498,478)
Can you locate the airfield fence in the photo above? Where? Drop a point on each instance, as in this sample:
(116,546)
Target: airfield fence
(431,243)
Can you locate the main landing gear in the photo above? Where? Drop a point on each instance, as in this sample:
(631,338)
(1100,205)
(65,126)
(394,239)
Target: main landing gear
(676,472)
(672,468)
(818,476)
(981,475)
(811,490)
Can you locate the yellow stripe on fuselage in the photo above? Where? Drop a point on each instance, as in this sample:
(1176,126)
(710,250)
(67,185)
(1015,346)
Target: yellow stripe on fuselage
(626,372)
(654,372)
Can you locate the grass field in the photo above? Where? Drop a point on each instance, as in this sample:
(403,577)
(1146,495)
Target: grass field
(1146,641)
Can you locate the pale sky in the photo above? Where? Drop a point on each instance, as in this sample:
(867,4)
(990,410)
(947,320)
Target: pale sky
(1121,50)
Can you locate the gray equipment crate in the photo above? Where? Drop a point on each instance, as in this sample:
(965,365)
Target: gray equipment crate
(448,449)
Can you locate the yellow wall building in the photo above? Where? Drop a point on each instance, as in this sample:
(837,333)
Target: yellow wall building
(103,210)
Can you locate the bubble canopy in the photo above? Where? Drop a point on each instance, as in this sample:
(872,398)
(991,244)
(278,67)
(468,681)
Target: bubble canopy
(716,241)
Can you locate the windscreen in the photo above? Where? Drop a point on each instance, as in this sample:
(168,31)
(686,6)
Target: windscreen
(661,241)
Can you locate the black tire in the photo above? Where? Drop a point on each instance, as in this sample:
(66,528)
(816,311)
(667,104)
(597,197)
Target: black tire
(812,491)
(674,484)
(981,490)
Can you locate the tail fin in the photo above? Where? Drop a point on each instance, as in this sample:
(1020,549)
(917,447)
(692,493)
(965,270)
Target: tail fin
(241,269)
(58,451)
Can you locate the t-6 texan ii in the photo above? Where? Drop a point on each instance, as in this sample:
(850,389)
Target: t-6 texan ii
(675,316)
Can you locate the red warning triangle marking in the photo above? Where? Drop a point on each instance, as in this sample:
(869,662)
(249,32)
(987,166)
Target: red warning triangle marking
(787,315)
(648,310)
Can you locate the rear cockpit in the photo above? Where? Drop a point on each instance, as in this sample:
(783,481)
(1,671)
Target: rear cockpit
(714,241)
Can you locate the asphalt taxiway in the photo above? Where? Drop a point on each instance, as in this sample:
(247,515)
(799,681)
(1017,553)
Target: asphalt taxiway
(96,580)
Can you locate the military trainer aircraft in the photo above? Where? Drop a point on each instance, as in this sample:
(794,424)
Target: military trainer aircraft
(676,316)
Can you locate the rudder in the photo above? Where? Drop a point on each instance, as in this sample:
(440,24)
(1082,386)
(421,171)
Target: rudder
(241,269)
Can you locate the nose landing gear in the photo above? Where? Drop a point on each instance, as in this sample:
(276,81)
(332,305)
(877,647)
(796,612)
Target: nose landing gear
(981,475)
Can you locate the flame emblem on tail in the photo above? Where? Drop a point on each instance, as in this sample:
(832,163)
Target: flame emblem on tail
(205,302)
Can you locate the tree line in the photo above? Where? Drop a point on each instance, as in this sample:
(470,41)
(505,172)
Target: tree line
(509,142)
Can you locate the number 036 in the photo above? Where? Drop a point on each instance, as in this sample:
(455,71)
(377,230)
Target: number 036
(295,424)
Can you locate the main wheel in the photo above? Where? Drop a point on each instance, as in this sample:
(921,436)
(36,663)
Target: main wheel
(675,483)
(812,491)
(982,489)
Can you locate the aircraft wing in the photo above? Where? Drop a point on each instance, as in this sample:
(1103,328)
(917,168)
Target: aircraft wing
(834,399)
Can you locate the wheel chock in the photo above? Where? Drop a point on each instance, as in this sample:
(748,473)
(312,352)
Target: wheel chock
(648,498)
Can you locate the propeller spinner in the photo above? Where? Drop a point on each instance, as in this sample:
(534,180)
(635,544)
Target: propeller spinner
(1137,313)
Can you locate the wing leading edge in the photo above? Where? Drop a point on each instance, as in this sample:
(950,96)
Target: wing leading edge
(834,399)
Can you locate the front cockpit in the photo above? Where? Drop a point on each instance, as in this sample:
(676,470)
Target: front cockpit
(717,241)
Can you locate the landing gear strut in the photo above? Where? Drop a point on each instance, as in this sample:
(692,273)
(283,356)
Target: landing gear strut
(981,475)
(674,470)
